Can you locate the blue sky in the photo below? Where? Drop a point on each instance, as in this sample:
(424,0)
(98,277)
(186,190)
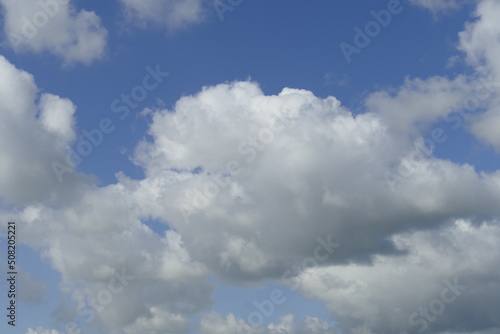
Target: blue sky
(350,164)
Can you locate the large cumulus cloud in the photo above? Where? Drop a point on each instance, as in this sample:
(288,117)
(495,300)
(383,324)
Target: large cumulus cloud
(260,178)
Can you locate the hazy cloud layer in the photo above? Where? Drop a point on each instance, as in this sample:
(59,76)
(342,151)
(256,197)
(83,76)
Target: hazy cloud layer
(439,6)
(35,130)
(171,14)
(322,171)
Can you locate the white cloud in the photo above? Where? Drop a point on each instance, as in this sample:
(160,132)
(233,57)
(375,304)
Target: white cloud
(438,6)
(486,127)
(474,98)
(160,322)
(54,26)
(33,134)
(386,297)
(40,330)
(171,14)
(479,38)
(56,115)
(418,102)
(215,323)
(479,41)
